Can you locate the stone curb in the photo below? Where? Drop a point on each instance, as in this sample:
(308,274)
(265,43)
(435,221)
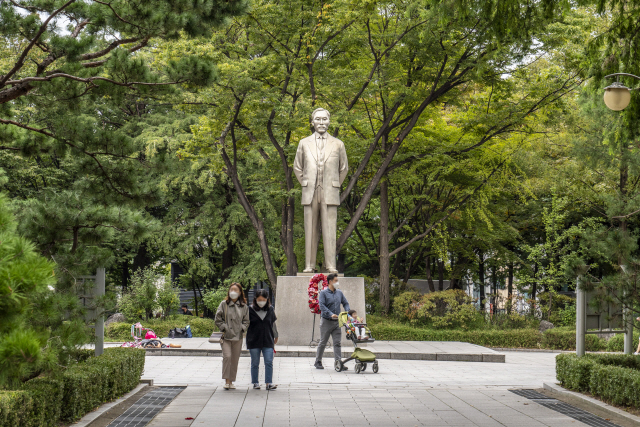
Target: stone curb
(91,416)
(448,357)
(590,400)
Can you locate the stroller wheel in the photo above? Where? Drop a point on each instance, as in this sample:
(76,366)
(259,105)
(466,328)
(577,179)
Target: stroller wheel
(375,367)
(358,367)
(338,365)
(364,366)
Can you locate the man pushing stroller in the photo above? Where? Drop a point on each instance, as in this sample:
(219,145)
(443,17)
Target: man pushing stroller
(329,301)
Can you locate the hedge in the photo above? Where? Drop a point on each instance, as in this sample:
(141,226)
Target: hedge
(67,396)
(559,339)
(199,327)
(613,377)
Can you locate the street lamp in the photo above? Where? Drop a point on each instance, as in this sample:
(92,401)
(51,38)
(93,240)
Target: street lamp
(617,96)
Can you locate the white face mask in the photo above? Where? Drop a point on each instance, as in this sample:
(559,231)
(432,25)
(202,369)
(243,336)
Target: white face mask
(234,295)
(336,285)
(261,303)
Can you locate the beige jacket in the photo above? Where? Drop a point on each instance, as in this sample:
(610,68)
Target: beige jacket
(237,320)
(305,166)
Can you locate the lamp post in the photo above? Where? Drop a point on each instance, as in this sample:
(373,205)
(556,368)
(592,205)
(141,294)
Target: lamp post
(617,95)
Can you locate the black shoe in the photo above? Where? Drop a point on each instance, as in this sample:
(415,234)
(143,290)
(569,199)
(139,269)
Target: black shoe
(345,368)
(318,365)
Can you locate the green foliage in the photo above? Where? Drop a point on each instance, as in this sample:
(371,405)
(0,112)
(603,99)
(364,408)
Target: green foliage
(141,299)
(447,309)
(512,321)
(397,288)
(565,316)
(574,372)
(565,339)
(213,298)
(24,278)
(100,379)
(168,297)
(515,338)
(199,327)
(86,384)
(615,378)
(16,409)
(616,342)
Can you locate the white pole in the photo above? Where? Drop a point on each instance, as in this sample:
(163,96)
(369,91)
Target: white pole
(628,326)
(581,319)
(99,292)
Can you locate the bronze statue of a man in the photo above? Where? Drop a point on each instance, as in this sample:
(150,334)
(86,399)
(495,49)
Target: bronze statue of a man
(321,167)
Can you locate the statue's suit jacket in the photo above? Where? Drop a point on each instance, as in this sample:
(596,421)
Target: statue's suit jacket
(305,166)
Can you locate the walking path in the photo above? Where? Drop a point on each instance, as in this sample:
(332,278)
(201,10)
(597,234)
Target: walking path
(403,393)
(405,350)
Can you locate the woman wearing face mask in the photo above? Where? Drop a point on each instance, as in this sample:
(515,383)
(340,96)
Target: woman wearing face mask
(262,337)
(232,319)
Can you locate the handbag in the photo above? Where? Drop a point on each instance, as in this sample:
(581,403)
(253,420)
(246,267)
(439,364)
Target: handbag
(218,337)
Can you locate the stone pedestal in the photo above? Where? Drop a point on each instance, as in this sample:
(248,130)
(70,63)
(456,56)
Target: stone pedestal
(295,320)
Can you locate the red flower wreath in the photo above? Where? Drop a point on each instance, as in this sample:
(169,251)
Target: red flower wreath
(313,291)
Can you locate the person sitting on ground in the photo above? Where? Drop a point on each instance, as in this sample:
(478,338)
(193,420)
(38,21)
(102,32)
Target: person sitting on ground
(185,310)
(355,320)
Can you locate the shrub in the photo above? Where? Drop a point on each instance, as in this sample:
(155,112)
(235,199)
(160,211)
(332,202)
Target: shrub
(405,305)
(213,298)
(513,321)
(516,338)
(200,327)
(616,343)
(141,298)
(612,377)
(47,393)
(100,379)
(16,408)
(84,385)
(452,308)
(565,339)
(618,385)
(574,372)
(372,293)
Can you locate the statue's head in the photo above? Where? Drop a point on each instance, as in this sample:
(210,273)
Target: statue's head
(320,119)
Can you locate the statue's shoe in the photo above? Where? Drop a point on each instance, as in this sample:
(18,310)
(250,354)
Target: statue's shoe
(308,270)
(332,270)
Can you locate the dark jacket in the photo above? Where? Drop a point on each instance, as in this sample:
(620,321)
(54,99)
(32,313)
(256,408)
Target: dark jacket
(261,331)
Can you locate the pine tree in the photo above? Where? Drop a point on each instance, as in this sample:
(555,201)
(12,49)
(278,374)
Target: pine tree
(25,276)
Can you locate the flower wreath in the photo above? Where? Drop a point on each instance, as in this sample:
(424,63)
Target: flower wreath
(313,291)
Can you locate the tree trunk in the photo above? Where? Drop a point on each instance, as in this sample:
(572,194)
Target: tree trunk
(494,288)
(142,259)
(432,287)
(440,275)
(385,299)
(534,288)
(292,261)
(195,295)
(257,223)
(510,288)
(227,260)
(481,279)
(125,275)
(410,266)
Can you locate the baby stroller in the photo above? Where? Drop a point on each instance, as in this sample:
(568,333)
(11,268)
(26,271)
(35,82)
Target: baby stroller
(360,355)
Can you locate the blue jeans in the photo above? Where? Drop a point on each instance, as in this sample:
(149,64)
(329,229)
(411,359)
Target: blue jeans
(267,353)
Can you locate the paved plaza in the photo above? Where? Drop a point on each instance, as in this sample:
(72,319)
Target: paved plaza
(403,393)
